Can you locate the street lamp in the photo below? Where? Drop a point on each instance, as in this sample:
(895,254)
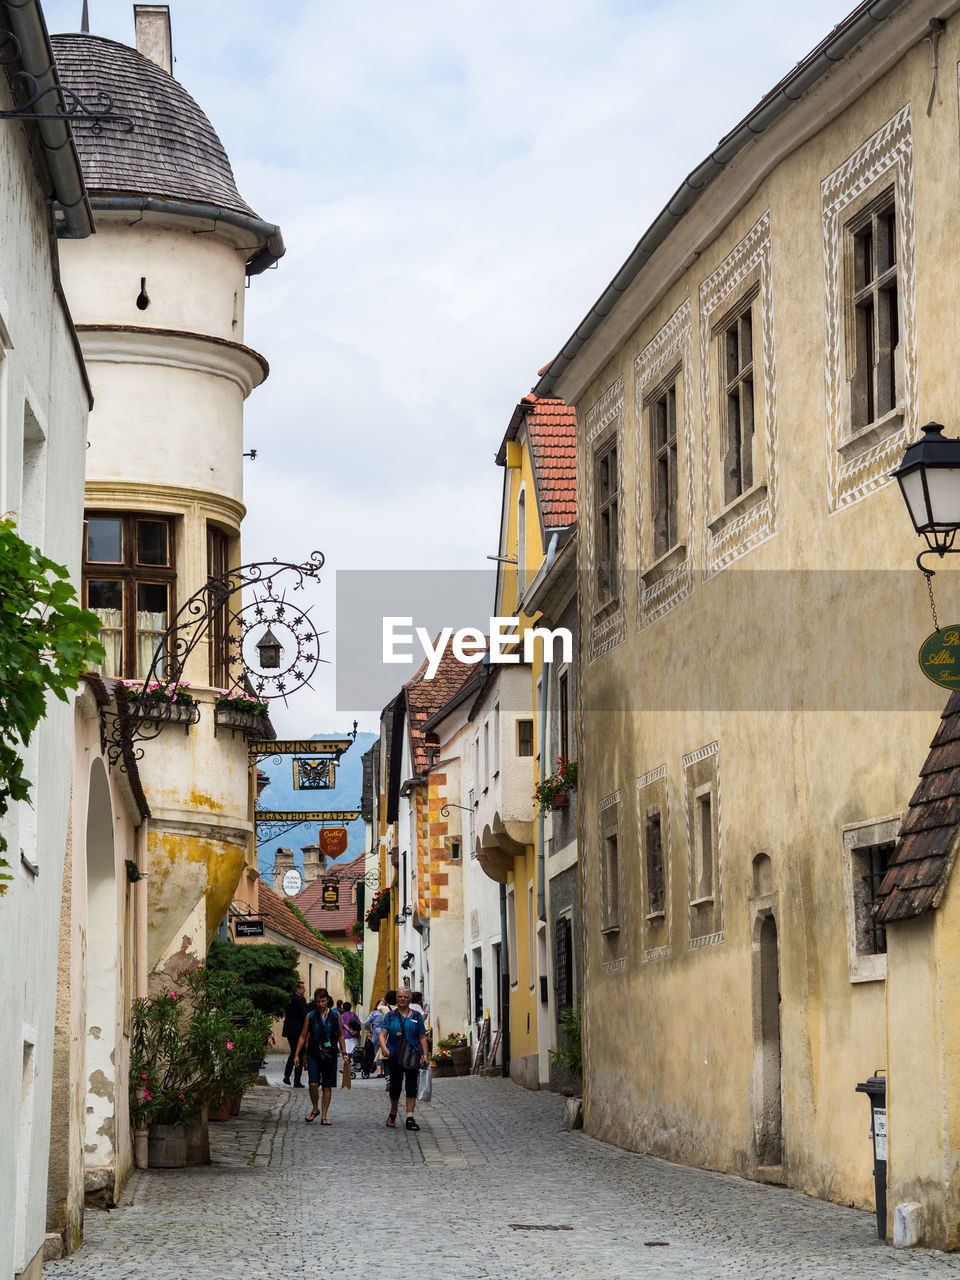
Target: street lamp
(269,648)
(929,479)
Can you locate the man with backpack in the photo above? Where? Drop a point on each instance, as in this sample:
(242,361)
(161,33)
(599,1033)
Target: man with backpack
(322,1037)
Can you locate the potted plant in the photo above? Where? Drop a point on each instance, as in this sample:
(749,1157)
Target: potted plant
(552,792)
(166,1097)
(172,701)
(237,709)
(378,910)
(443,1063)
(459,1051)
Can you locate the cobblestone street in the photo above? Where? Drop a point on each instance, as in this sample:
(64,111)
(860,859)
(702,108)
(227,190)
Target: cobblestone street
(479,1192)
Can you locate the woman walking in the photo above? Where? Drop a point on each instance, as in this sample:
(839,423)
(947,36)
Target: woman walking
(403,1039)
(321,1036)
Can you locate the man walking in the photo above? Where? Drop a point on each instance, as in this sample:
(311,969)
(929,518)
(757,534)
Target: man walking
(292,1026)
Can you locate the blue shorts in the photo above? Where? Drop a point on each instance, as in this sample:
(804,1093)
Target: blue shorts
(322,1073)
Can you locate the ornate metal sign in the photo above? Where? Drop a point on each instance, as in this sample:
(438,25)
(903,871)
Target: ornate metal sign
(333,841)
(331,895)
(66,104)
(274,823)
(261,641)
(313,775)
(939,657)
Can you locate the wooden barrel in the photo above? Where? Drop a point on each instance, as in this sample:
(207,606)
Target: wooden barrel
(168,1146)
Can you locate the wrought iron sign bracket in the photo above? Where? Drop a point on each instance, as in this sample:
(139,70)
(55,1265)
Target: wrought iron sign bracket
(69,105)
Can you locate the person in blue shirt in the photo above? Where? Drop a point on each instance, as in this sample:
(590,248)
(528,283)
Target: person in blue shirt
(403,1039)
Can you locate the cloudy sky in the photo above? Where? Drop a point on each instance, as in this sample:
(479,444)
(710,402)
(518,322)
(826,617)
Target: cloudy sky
(456,184)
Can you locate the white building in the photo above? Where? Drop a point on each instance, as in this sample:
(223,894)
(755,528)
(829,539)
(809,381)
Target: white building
(44,402)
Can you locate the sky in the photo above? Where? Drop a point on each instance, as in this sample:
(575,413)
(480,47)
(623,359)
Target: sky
(456,185)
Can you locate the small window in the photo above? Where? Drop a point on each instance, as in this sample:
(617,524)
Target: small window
(656,879)
(512,935)
(663,454)
(737,404)
(608,530)
(524,737)
(563,964)
(218,563)
(704,839)
(129,581)
(870,864)
(611,882)
(563,716)
(454,849)
(876,317)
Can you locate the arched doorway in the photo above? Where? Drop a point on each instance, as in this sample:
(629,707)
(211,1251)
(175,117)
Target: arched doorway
(102,975)
(769,1121)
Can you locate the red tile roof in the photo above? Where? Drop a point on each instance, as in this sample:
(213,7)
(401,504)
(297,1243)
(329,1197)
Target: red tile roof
(920,866)
(310,900)
(425,697)
(552,427)
(553,437)
(278,917)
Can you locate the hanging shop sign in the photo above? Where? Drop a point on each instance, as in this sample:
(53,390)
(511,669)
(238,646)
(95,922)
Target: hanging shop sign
(331,895)
(939,657)
(314,775)
(332,840)
(248,927)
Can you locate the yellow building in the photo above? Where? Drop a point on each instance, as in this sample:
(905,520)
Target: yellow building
(751,717)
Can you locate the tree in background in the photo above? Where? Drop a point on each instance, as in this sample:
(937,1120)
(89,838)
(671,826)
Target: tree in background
(267,972)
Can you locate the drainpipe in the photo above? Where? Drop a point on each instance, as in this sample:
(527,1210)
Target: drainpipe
(541,735)
(140,909)
(504,979)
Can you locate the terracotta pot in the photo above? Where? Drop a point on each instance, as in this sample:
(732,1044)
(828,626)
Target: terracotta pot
(234,1104)
(560,800)
(220,1111)
(167,1145)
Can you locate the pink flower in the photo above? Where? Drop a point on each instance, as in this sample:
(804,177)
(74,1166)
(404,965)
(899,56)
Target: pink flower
(143,1075)
(148,1096)
(179,1095)
(173,995)
(229,1044)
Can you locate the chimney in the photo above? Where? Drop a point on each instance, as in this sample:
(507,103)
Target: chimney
(282,862)
(152,25)
(314,861)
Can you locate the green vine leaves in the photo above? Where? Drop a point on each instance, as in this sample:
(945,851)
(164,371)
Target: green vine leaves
(46,642)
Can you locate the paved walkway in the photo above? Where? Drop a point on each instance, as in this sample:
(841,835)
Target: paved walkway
(490,1188)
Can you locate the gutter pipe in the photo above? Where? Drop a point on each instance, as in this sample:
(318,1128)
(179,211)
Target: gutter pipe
(267,256)
(541,735)
(833,50)
(28,25)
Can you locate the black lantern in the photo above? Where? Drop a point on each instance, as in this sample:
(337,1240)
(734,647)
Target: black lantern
(269,649)
(929,479)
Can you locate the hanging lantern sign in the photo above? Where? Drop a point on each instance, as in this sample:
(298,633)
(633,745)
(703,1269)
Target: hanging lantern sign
(939,657)
(332,841)
(331,895)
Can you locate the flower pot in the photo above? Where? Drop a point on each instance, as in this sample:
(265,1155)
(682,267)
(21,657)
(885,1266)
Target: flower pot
(560,800)
(234,1104)
(171,712)
(220,1111)
(374,924)
(198,1140)
(167,1146)
(461,1060)
(251,723)
(444,1069)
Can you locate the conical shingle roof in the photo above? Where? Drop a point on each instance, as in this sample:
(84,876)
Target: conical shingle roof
(173,152)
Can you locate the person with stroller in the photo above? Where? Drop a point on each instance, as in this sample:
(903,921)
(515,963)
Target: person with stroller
(403,1039)
(351,1026)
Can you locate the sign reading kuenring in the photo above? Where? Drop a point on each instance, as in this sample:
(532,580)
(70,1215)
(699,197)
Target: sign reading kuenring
(331,895)
(332,840)
(939,657)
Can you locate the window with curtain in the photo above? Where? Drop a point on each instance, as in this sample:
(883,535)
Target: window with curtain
(129,582)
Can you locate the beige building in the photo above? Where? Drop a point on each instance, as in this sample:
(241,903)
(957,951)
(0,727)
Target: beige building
(752,718)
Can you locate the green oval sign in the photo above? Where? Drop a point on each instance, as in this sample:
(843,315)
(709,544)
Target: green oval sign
(939,657)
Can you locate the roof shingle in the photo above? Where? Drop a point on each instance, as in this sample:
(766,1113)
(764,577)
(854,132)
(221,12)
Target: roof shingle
(173,152)
(310,900)
(920,866)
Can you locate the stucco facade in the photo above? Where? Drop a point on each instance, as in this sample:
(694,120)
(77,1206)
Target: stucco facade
(751,713)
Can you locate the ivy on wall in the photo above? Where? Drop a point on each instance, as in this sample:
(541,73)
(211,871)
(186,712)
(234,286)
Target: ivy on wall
(46,642)
(352,961)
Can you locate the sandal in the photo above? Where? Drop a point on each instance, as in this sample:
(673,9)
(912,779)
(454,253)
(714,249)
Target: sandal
(412,1124)
(311,1117)
(391,1122)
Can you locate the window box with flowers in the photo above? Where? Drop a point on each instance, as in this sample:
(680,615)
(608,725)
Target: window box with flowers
(173,703)
(379,910)
(242,712)
(553,792)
